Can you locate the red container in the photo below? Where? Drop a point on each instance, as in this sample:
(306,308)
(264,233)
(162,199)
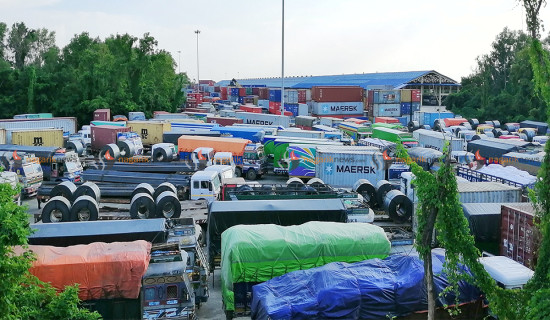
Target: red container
(223,121)
(510,136)
(263,93)
(356,121)
(256,91)
(223,93)
(302,96)
(415,95)
(274,107)
(519,237)
(454,121)
(103,135)
(251,108)
(207,82)
(216,89)
(385,120)
(337,94)
(242,92)
(102,115)
(159,112)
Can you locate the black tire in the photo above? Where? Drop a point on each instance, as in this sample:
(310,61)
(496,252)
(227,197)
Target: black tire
(168,205)
(367,190)
(126,149)
(114,152)
(84,208)
(398,206)
(142,206)
(382,188)
(238,172)
(75,146)
(57,209)
(65,189)
(251,174)
(165,186)
(143,188)
(88,189)
(162,154)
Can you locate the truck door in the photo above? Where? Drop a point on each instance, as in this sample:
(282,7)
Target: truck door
(55,172)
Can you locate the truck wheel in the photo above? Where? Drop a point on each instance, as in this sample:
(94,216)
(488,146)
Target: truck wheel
(65,189)
(84,208)
(58,209)
(88,189)
(142,206)
(238,172)
(168,205)
(251,174)
(127,149)
(165,186)
(143,188)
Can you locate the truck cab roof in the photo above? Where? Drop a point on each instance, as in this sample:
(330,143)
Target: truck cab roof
(204,175)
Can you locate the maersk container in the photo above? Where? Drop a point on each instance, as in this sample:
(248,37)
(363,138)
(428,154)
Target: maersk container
(436,140)
(275,95)
(386,110)
(337,108)
(38,138)
(488,192)
(264,119)
(340,168)
(136,115)
(387,96)
(67,124)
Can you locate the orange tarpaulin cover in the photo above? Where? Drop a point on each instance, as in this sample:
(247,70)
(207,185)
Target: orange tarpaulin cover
(103,270)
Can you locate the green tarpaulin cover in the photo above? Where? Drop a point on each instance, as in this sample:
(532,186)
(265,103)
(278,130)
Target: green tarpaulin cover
(257,253)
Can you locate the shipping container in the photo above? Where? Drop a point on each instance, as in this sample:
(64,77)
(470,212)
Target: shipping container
(404,120)
(415,107)
(291,96)
(541,127)
(303,109)
(337,108)
(38,138)
(330,121)
(302,96)
(301,134)
(406,108)
(102,114)
(104,135)
(305,121)
(264,119)
(488,192)
(387,97)
(337,94)
(292,108)
(386,110)
(274,107)
(3,136)
(67,124)
(242,92)
(416,95)
(343,168)
(275,95)
(234,92)
(385,120)
(150,131)
(162,116)
(253,134)
(406,95)
(263,93)
(490,151)
(223,121)
(520,238)
(137,115)
(428,118)
(264,104)
(437,140)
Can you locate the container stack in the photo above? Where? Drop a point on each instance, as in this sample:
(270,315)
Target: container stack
(337,101)
(194,99)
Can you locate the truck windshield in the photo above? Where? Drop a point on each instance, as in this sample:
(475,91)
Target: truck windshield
(71,166)
(216,182)
(251,155)
(28,170)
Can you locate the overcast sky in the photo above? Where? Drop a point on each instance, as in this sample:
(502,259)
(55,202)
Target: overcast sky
(242,38)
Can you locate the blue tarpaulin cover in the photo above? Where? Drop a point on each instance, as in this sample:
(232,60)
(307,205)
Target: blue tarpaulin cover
(370,289)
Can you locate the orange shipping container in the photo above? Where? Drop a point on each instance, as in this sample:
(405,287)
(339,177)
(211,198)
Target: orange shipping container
(188,144)
(103,270)
(454,121)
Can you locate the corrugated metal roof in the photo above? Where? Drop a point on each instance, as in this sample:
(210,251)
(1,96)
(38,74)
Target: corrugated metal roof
(484,186)
(394,79)
(474,209)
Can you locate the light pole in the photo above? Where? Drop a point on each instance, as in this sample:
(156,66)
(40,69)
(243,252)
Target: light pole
(283,62)
(198,76)
(179,61)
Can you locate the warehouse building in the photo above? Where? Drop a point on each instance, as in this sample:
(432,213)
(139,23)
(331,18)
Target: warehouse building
(433,85)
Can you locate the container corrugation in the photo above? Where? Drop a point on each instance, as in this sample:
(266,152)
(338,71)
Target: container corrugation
(264,119)
(67,124)
(38,138)
(519,236)
(302,97)
(103,135)
(387,110)
(224,121)
(387,96)
(484,220)
(415,106)
(275,95)
(343,168)
(291,96)
(150,131)
(301,134)
(406,108)
(406,95)
(337,93)
(416,95)
(10,131)
(292,108)
(2,136)
(102,115)
(488,192)
(337,108)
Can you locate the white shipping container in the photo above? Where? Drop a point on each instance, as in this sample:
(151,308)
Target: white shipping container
(308,95)
(264,104)
(291,96)
(488,192)
(436,140)
(342,168)
(264,119)
(68,124)
(337,108)
(330,122)
(303,109)
(387,110)
(302,134)
(162,116)
(2,136)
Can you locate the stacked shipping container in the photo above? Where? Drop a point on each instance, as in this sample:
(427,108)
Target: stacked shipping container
(337,101)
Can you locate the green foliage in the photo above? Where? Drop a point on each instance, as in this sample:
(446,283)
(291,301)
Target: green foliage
(22,295)
(122,73)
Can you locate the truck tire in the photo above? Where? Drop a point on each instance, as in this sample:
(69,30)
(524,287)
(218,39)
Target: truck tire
(88,189)
(84,208)
(65,189)
(142,206)
(251,174)
(126,148)
(398,206)
(238,172)
(382,188)
(168,205)
(165,186)
(143,188)
(162,154)
(112,149)
(367,190)
(75,146)
(58,209)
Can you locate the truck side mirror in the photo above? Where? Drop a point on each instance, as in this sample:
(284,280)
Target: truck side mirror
(209,186)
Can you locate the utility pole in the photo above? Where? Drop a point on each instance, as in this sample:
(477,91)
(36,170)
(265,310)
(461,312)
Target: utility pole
(179,61)
(283,63)
(198,74)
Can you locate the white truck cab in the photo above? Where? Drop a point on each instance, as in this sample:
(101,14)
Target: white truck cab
(224,158)
(205,185)
(86,135)
(224,171)
(203,156)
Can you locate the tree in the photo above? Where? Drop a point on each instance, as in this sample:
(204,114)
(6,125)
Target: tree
(22,295)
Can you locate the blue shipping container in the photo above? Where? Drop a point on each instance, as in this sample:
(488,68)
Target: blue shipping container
(186,156)
(235,92)
(253,134)
(415,106)
(215,94)
(405,108)
(275,95)
(241,100)
(430,117)
(292,107)
(384,96)
(404,120)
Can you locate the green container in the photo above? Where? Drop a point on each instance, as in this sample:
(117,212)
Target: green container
(109,123)
(45,115)
(33,116)
(248,91)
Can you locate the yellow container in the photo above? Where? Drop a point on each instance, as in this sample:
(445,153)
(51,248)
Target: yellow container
(406,95)
(38,138)
(150,131)
(2,136)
